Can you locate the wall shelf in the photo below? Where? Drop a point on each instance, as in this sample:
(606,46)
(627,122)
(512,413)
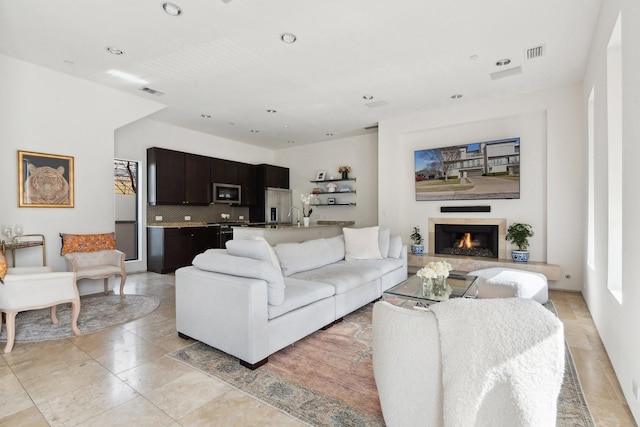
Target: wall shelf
(335,204)
(333,180)
(341,198)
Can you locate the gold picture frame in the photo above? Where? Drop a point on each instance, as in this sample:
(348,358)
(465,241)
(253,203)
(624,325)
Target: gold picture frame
(45,180)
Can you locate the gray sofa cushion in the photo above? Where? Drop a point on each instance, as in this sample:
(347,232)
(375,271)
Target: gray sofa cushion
(297,257)
(344,275)
(219,262)
(300,293)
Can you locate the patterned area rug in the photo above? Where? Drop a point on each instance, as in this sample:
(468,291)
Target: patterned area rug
(326,379)
(97,312)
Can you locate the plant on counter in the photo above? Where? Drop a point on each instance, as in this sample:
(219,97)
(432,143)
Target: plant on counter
(307,210)
(225,216)
(417,248)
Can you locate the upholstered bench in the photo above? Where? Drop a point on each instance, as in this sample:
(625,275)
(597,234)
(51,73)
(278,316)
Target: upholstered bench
(498,282)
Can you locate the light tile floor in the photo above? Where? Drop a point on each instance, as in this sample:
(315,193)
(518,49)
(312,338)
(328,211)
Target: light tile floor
(120,376)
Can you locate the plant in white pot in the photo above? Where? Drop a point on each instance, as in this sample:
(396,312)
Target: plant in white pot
(519,234)
(417,248)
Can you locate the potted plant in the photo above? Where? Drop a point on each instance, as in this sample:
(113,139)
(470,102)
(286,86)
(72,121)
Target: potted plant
(519,234)
(417,248)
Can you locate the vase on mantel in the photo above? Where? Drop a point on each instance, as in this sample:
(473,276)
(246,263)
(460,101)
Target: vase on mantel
(305,220)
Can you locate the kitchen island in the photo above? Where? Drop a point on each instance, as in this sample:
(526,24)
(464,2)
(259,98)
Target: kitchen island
(287,233)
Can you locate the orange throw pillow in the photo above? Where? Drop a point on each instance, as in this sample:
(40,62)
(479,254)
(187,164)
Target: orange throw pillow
(3,267)
(87,242)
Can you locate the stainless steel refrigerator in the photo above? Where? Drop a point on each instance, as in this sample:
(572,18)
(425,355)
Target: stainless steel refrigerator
(277,205)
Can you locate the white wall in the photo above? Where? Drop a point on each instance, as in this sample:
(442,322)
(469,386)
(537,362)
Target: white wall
(550,126)
(617,323)
(359,152)
(50,112)
(132,141)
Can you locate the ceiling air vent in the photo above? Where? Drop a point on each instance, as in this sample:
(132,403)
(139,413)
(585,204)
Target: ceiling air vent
(535,52)
(152,91)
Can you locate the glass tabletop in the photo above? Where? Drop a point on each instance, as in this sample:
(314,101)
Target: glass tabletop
(459,285)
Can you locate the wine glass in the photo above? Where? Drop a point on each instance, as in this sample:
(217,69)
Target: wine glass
(19,230)
(7,232)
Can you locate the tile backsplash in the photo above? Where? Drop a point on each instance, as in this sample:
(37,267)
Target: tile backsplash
(211,213)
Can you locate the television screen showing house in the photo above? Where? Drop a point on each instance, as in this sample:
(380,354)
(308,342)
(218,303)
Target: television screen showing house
(477,171)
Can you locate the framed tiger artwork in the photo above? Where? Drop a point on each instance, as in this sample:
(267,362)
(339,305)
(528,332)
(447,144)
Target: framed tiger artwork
(45,180)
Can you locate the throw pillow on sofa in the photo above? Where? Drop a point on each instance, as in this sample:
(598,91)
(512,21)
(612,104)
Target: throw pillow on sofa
(362,243)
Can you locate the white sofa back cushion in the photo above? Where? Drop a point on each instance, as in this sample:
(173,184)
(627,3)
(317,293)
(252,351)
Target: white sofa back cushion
(383,241)
(395,246)
(256,248)
(220,262)
(297,257)
(362,243)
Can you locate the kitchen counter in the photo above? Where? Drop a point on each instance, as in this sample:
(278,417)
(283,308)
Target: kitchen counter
(285,233)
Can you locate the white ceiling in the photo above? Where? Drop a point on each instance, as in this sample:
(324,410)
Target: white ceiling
(225,58)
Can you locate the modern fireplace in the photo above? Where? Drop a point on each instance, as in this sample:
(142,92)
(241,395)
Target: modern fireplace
(470,237)
(466,240)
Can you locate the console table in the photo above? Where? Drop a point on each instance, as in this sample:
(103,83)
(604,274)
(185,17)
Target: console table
(13,246)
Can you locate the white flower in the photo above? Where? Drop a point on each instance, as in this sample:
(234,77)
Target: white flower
(306,201)
(225,216)
(426,273)
(441,268)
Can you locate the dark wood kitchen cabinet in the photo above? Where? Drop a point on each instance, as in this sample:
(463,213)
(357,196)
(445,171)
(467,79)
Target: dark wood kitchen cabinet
(247,180)
(273,176)
(224,171)
(171,248)
(177,178)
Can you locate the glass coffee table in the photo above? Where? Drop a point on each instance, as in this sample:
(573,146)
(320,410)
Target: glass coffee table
(411,293)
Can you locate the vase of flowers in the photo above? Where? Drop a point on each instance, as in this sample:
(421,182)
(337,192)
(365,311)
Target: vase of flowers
(434,279)
(307,210)
(344,170)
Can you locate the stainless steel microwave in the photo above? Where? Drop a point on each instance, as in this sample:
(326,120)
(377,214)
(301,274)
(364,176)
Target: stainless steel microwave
(227,193)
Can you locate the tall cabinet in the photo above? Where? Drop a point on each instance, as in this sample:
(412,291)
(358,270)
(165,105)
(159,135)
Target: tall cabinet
(177,178)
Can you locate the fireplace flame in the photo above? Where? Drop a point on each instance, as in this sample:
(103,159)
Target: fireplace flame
(465,242)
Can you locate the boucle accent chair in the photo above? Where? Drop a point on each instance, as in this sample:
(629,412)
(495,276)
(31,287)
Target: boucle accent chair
(94,256)
(33,288)
(468,362)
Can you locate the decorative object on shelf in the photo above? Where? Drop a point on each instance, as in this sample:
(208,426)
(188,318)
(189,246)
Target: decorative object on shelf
(346,188)
(331,201)
(344,170)
(19,230)
(45,180)
(331,187)
(7,232)
(519,234)
(320,175)
(417,248)
(225,216)
(307,210)
(316,190)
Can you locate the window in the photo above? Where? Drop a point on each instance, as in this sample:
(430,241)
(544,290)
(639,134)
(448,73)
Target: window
(125,186)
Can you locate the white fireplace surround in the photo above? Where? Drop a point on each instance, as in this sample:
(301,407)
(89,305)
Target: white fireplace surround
(500,222)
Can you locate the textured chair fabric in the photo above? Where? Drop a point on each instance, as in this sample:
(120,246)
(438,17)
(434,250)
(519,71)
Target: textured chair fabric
(98,265)
(498,282)
(35,288)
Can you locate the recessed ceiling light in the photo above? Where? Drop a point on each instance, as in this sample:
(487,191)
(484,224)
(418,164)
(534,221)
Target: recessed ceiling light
(271,111)
(503,62)
(114,50)
(473,57)
(291,142)
(254,131)
(205,116)
(285,126)
(329,134)
(367,96)
(288,38)
(171,9)
(456,96)
(68,62)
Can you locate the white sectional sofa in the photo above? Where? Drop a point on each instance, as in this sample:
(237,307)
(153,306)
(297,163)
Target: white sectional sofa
(252,300)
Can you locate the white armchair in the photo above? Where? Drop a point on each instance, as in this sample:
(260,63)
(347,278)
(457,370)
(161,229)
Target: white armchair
(33,288)
(98,265)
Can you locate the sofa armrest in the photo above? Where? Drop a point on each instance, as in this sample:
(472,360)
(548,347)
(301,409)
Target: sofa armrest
(224,311)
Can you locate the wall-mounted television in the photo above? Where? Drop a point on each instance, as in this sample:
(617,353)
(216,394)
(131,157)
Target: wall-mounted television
(476,171)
